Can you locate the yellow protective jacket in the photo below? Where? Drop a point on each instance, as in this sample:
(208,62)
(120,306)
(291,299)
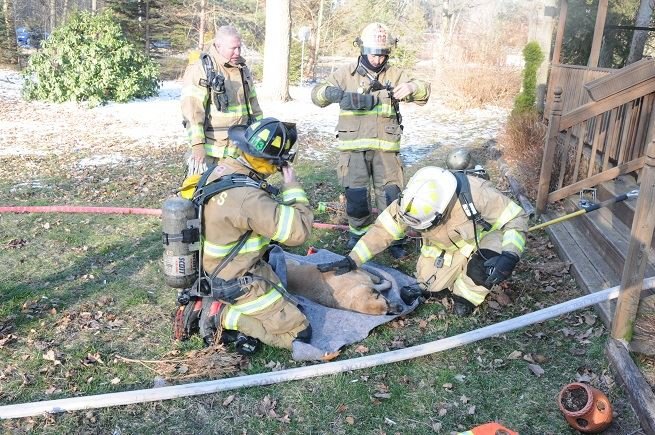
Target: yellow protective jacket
(231,213)
(203,122)
(455,233)
(375,129)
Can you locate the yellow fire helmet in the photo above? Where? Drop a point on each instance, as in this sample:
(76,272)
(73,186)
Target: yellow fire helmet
(189,186)
(376,40)
(426,197)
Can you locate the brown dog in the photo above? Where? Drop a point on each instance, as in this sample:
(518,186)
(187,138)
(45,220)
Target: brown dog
(356,291)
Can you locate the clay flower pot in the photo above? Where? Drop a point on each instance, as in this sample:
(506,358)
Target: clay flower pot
(585,408)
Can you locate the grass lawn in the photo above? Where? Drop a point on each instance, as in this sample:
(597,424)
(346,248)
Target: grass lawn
(87,311)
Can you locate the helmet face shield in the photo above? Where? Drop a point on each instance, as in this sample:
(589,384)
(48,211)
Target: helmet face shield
(418,224)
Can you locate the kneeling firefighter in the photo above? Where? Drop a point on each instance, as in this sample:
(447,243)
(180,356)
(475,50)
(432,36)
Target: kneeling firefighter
(472,235)
(236,289)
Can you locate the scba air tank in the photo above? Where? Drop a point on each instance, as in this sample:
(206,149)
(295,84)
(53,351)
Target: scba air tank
(181,239)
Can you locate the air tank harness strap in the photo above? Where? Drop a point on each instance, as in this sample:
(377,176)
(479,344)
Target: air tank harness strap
(219,289)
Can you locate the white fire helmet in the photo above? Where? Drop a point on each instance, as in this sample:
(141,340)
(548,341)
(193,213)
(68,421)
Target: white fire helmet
(426,197)
(376,39)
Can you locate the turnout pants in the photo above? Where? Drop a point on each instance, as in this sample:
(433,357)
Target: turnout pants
(355,171)
(462,275)
(265,314)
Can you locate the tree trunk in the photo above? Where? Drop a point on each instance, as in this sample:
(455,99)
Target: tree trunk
(202,25)
(541,30)
(276,50)
(53,15)
(94,6)
(8,49)
(317,41)
(147,25)
(639,37)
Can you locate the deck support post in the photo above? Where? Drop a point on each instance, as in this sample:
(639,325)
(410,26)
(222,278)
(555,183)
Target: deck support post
(549,152)
(636,260)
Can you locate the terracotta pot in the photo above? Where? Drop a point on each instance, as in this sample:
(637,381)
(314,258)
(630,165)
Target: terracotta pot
(585,408)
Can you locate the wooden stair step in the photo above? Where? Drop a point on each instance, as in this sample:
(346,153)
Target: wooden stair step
(625,210)
(612,237)
(588,266)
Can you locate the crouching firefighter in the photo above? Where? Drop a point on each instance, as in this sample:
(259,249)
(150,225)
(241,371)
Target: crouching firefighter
(472,235)
(237,291)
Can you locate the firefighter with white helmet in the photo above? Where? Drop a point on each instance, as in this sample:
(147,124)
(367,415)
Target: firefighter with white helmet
(472,234)
(238,290)
(369,129)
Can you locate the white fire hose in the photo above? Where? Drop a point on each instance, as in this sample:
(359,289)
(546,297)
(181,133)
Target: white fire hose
(175,391)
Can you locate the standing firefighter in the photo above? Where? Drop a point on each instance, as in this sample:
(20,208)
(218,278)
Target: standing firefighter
(370,126)
(472,235)
(218,93)
(241,290)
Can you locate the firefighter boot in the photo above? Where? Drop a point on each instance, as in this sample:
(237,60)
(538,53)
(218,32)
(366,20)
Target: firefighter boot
(462,307)
(210,319)
(352,240)
(243,344)
(397,252)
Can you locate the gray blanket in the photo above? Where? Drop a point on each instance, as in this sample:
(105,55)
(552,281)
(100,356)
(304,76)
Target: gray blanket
(332,328)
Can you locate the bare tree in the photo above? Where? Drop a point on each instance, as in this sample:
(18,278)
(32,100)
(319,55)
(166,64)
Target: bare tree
(276,50)
(53,15)
(639,37)
(147,25)
(201,27)
(8,48)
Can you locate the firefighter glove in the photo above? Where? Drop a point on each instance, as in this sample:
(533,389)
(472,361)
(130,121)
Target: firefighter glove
(500,267)
(357,101)
(333,94)
(340,267)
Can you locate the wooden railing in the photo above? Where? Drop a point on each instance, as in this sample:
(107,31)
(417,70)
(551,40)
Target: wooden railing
(599,140)
(571,78)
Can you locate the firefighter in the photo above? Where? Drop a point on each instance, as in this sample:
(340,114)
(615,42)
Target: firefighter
(218,92)
(248,296)
(472,235)
(370,126)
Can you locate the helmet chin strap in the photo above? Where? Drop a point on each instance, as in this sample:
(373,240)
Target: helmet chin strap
(363,61)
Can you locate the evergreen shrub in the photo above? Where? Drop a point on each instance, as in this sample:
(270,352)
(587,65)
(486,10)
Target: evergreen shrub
(525,101)
(89,59)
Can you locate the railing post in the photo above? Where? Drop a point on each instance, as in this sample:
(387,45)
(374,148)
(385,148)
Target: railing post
(641,235)
(549,152)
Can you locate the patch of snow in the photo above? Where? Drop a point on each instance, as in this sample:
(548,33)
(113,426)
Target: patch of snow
(33,184)
(40,128)
(101,160)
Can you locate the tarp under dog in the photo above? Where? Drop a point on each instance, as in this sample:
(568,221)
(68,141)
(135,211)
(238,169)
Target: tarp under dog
(332,328)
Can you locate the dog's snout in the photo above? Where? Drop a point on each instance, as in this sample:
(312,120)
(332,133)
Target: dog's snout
(394,308)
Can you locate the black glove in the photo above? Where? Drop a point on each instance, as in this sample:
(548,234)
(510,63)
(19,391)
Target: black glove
(500,267)
(410,293)
(340,267)
(357,101)
(333,94)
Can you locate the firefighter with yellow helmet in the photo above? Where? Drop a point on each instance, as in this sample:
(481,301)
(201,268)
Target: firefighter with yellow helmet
(218,92)
(369,128)
(472,234)
(239,290)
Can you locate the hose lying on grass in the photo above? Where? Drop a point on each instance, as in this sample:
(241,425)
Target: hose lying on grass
(117,210)
(207,387)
